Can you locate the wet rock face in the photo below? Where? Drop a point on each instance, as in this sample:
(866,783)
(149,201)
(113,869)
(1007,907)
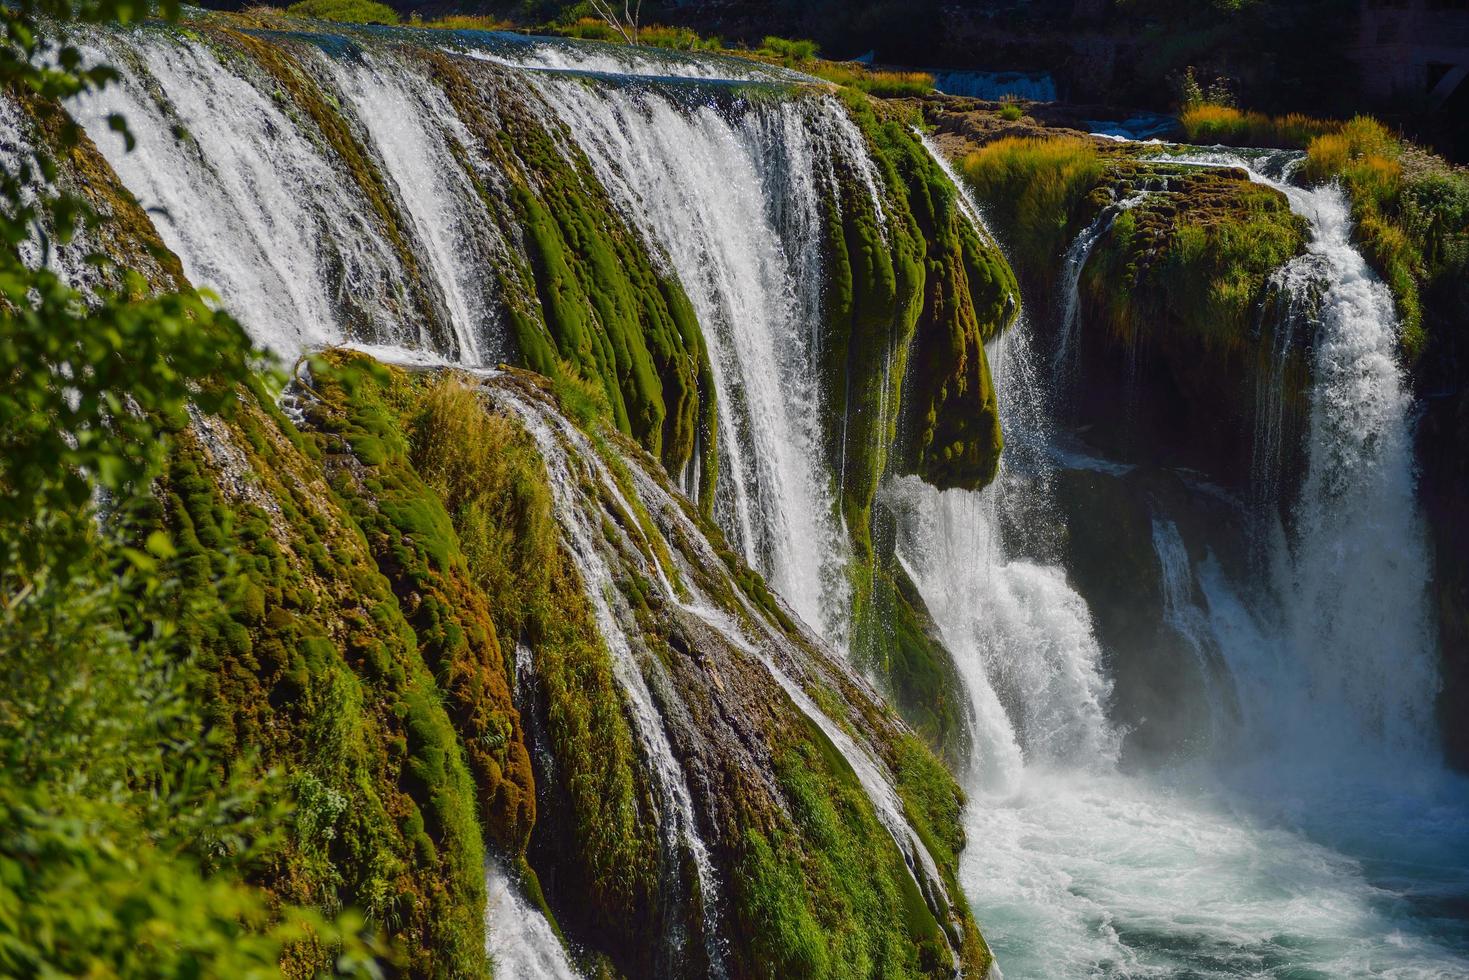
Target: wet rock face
(689,780)
(1443,454)
(1136,534)
(760,800)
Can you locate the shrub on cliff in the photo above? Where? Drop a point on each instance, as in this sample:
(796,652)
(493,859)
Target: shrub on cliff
(1411,211)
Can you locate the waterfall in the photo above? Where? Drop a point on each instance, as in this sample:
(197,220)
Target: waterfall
(582,524)
(1075,867)
(1356,567)
(732,200)
(694,575)
(1064,361)
(307,251)
(416,134)
(1361,561)
(1183,613)
(520,941)
(256,211)
(1085,867)
(1291,303)
(997,85)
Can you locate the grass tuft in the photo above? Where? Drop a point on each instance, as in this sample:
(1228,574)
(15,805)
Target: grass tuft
(1034,186)
(344,11)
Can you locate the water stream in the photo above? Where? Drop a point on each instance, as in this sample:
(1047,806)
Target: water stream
(1320,837)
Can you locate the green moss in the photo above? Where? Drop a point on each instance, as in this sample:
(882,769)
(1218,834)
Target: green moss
(909,309)
(316,671)
(894,637)
(462,512)
(1195,259)
(830,895)
(604,311)
(414,541)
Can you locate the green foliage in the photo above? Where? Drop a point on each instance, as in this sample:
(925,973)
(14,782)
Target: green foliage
(1036,190)
(317,670)
(1010,112)
(124,841)
(1196,259)
(797,51)
(83,893)
(344,11)
(830,895)
(881,84)
(1410,214)
(1405,220)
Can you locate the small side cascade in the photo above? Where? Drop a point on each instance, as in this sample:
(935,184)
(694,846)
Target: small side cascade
(521,943)
(1064,361)
(582,524)
(1183,613)
(1289,315)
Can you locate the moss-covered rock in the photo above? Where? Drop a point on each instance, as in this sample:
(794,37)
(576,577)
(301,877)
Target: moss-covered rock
(1180,341)
(911,302)
(317,671)
(913,295)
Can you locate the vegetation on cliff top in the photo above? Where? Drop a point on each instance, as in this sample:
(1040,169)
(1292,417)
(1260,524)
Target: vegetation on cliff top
(1410,209)
(1035,189)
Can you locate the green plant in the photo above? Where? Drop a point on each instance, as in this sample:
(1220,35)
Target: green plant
(1010,109)
(1035,188)
(344,11)
(798,51)
(125,837)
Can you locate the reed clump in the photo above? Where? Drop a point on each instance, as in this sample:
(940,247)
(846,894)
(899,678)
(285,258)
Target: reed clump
(1034,186)
(344,11)
(1207,122)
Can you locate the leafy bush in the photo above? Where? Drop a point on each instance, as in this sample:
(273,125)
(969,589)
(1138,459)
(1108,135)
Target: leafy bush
(344,11)
(125,840)
(1010,109)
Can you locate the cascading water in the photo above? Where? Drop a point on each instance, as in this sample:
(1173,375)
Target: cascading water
(734,203)
(1064,361)
(521,943)
(1260,865)
(573,464)
(255,210)
(586,540)
(1357,563)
